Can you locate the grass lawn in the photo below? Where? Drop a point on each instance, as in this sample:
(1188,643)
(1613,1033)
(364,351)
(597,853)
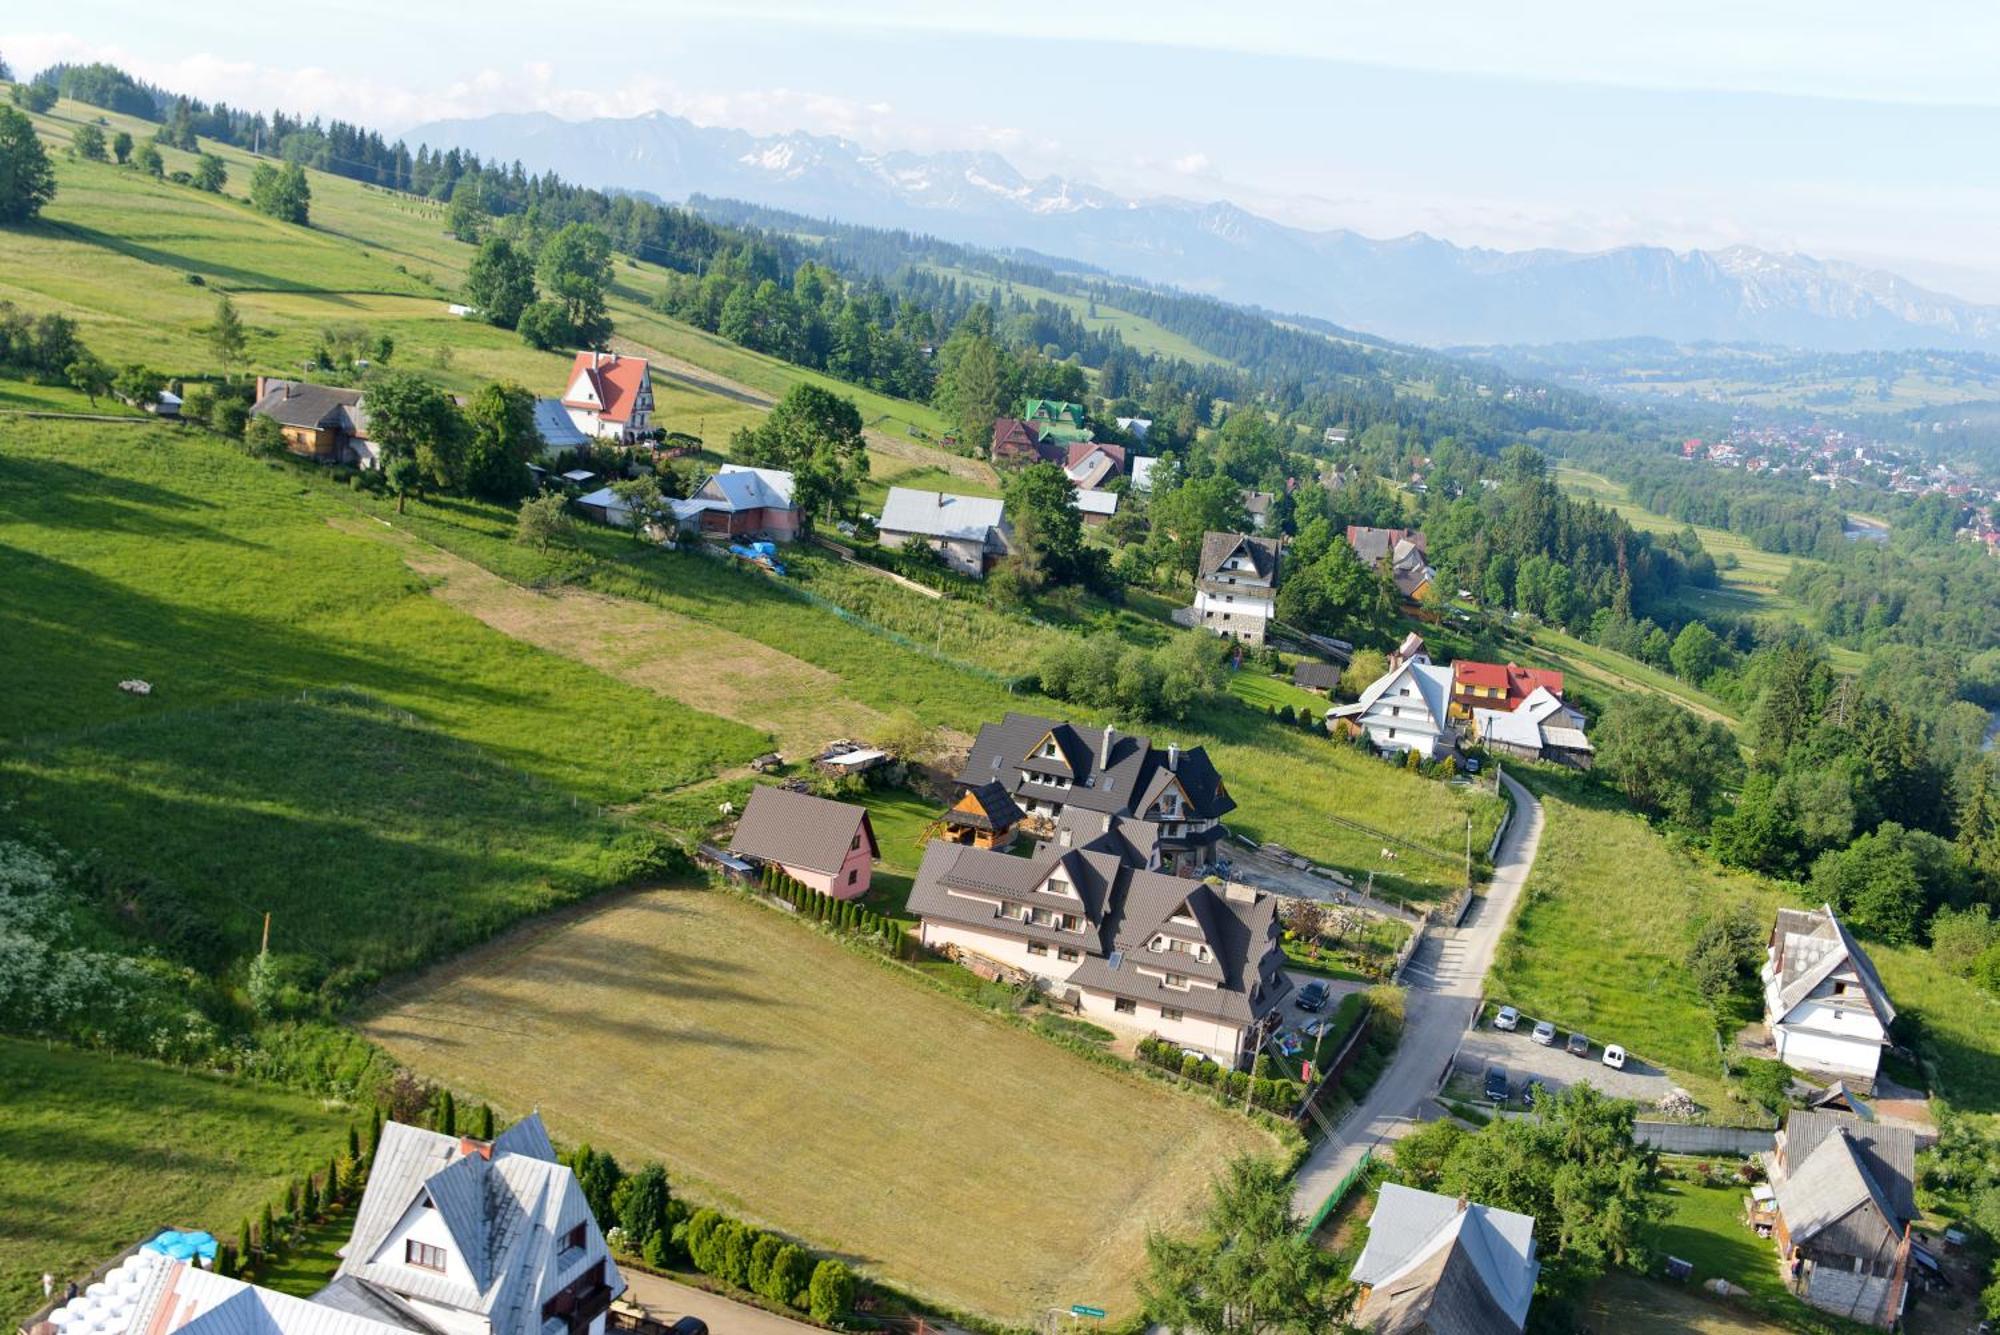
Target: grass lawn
(1600,939)
(790,1079)
(324,738)
(900,818)
(1625,1302)
(308,1267)
(1264,692)
(99,1152)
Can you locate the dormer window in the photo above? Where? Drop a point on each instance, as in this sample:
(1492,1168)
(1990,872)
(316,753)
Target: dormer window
(423,1255)
(576,1238)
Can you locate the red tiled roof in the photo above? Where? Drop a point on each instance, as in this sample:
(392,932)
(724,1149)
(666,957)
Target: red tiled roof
(616,379)
(1517,681)
(1080,450)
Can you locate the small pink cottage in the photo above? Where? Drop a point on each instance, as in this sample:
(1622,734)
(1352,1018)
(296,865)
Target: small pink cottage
(827,845)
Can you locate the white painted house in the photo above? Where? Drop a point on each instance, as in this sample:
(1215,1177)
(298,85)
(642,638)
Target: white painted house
(453,1236)
(609,396)
(1407,708)
(1823,1001)
(1236,586)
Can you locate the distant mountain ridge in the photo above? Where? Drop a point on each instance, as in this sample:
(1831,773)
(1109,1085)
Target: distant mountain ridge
(1416,288)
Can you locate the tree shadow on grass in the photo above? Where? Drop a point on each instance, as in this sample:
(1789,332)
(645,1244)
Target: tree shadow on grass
(52,493)
(234,275)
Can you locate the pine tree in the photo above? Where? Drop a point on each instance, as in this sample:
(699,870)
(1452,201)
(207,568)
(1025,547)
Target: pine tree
(374,1134)
(266,1239)
(333,1180)
(245,1244)
(447,1114)
(308,1199)
(483,1128)
(353,1144)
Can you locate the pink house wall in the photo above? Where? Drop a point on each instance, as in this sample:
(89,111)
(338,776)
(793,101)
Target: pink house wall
(859,865)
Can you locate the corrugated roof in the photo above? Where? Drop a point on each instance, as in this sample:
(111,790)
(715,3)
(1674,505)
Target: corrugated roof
(800,830)
(557,428)
(743,488)
(1097,502)
(1813,946)
(939,514)
(184,1298)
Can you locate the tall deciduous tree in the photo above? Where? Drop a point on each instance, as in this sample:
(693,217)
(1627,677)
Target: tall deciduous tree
(281,192)
(500,283)
(210,173)
(121,146)
(27,182)
(1664,759)
(1252,1269)
(1048,529)
(815,435)
(419,431)
(88,141)
(503,440)
(574,268)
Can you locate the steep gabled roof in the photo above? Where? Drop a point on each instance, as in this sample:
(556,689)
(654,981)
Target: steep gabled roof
(318,407)
(606,383)
(1110,778)
(1813,945)
(505,1207)
(1438,1264)
(1432,683)
(1217,548)
(1834,1161)
(556,427)
(182,1298)
(800,830)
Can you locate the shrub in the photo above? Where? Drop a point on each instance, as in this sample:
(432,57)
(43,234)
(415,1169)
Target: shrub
(701,1230)
(790,1274)
(733,1242)
(1190,1065)
(658,1251)
(763,1252)
(644,1204)
(831,1292)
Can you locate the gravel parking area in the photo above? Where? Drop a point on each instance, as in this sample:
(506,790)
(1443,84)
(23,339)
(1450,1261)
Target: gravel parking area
(1523,1058)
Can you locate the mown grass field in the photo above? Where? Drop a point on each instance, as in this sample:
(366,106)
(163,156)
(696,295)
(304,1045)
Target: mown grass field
(1601,936)
(97,1153)
(324,739)
(789,1079)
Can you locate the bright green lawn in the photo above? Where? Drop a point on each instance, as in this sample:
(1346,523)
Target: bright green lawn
(1139,333)
(1262,691)
(257,775)
(100,1152)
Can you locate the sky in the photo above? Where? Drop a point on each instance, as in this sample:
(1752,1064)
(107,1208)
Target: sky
(1855,131)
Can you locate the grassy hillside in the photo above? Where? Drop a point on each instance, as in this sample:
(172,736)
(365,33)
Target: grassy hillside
(324,738)
(118,251)
(1139,332)
(1600,941)
(102,1152)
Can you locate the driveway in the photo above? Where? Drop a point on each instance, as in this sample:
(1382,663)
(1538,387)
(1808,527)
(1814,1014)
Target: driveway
(1444,979)
(1522,1057)
(666,1301)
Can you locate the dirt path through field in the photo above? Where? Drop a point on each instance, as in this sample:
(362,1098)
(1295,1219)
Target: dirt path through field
(699,664)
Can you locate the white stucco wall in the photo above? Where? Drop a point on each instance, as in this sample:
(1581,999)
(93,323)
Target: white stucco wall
(1821,1052)
(1005,949)
(1215,1037)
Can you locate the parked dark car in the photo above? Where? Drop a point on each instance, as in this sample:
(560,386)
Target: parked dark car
(1579,1045)
(1496,1084)
(1312,996)
(688,1325)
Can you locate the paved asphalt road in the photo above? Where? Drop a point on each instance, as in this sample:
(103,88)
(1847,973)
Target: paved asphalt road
(664,1300)
(1444,981)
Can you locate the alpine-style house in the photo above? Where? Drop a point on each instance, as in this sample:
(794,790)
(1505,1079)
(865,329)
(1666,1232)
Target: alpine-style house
(453,1236)
(1133,949)
(1166,805)
(1236,586)
(1824,1004)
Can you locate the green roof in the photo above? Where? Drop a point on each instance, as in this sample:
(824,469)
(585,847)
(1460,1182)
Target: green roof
(1048,410)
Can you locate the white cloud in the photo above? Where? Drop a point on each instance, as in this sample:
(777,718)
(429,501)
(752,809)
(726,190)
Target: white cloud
(1192,164)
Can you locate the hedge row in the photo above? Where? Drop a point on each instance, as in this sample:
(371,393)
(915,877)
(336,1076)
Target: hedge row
(769,1266)
(843,915)
(1279,1095)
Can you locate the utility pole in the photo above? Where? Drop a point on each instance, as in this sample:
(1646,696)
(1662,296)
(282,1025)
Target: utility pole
(265,949)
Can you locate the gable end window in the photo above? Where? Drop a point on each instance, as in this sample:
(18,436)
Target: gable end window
(423,1256)
(575,1239)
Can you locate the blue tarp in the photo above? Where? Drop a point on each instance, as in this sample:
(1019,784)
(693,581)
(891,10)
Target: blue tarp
(184,1246)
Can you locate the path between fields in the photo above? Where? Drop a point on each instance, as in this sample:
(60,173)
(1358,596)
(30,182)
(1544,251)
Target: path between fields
(695,662)
(1446,979)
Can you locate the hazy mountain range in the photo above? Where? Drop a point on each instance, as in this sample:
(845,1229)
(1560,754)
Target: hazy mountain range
(1415,288)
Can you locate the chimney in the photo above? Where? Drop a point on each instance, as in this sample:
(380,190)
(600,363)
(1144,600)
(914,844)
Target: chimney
(1104,750)
(595,357)
(1063,837)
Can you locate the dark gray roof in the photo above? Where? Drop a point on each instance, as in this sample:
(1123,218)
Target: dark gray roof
(1836,1161)
(1126,907)
(1004,749)
(1219,547)
(359,1297)
(1316,676)
(800,830)
(997,809)
(295,403)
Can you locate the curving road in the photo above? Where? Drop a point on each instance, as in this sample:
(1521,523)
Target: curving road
(1444,982)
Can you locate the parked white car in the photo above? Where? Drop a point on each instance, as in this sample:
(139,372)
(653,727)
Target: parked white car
(1507,1019)
(1614,1056)
(1545,1034)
